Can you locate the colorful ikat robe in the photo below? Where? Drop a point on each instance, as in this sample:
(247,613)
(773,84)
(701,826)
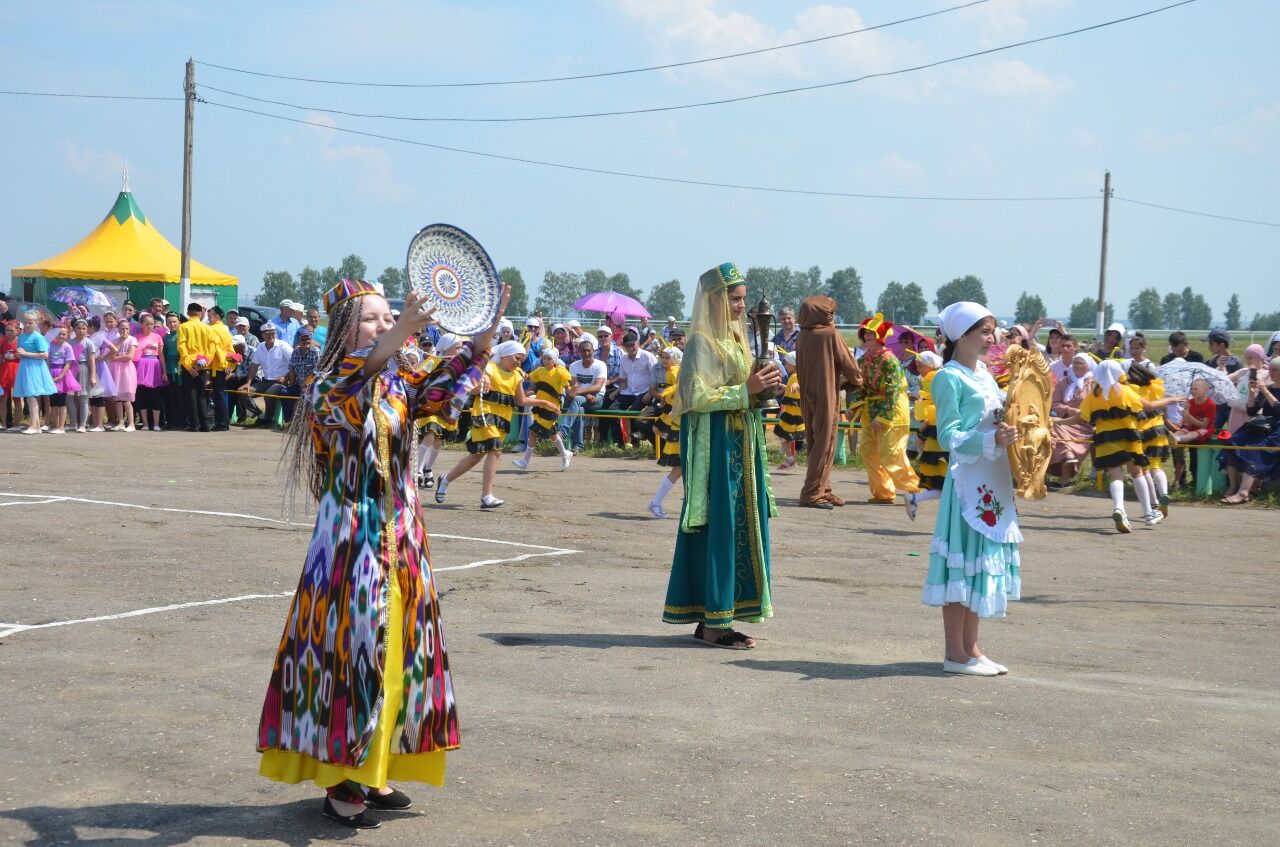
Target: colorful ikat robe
(326,688)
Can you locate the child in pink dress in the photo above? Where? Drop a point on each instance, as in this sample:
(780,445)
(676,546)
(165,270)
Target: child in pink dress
(148,361)
(62,367)
(125,374)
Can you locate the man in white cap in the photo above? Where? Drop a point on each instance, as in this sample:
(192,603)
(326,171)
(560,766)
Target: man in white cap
(575,331)
(666,330)
(241,328)
(285,324)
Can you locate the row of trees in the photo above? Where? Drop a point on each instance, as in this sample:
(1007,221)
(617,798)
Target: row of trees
(900,302)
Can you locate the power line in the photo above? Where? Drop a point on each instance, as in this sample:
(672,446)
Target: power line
(718,102)
(641,176)
(85,96)
(1193,212)
(600,74)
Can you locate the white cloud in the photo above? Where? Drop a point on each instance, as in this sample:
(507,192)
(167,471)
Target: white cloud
(1009,20)
(1253,133)
(1014,78)
(689,29)
(371,167)
(102,166)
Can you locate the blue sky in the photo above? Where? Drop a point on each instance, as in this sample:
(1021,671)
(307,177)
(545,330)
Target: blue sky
(1177,105)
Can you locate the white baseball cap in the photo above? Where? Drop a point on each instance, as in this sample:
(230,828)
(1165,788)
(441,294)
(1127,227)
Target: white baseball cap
(242,321)
(534,320)
(574,325)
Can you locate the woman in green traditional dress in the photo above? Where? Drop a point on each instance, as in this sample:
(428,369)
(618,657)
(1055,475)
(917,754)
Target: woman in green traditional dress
(720,572)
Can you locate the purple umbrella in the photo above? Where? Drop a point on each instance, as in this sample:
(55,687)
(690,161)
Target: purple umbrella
(906,340)
(82,294)
(611,302)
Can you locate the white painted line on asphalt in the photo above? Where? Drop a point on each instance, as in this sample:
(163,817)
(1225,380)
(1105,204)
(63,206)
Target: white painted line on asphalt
(7,629)
(43,502)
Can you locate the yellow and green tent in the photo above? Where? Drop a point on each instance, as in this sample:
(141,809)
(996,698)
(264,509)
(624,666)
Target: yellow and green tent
(128,258)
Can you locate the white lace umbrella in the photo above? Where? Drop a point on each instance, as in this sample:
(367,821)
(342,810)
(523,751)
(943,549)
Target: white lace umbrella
(1179,374)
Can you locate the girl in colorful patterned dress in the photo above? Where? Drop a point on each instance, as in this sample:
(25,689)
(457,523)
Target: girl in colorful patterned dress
(790,425)
(931,466)
(1112,408)
(360,690)
(974,569)
(668,427)
(491,414)
(549,382)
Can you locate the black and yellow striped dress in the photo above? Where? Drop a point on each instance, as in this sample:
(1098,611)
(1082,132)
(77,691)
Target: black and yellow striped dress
(1116,440)
(444,427)
(790,425)
(667,426)
(931,466)
(492,411)
(1152,430)
(548,384)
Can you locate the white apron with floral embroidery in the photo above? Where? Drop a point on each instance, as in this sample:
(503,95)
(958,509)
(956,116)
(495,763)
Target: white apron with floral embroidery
(985,486)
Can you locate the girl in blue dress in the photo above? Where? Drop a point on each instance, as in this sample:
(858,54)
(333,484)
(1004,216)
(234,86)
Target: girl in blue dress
(33,380)
(973,561)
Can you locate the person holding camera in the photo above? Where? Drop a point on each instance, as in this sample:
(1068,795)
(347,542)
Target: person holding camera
(1261,429)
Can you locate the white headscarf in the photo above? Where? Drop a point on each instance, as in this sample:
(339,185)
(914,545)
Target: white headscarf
(1079,383)
(1108,375)
(931,359)
(446,343)
(509,348)
(959,318)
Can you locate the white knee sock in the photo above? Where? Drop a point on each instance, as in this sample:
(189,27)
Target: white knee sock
(930,494)
(528,452)
(560,444)
(1117,494)
(1143,487)
(664,488)
(427,458)
(1161,482)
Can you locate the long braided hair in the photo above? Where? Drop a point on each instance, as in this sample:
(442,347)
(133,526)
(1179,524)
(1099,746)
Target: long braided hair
(301,464)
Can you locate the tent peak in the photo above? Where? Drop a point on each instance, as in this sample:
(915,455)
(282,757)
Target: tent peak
(125,178)
(126,207)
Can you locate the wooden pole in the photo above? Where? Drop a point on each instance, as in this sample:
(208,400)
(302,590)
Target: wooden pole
(1102,270)
(189,88)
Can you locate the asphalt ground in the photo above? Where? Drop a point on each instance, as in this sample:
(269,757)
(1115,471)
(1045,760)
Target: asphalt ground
(1142,706)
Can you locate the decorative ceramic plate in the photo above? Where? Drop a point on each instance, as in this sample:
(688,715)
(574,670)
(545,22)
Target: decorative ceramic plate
(458,277)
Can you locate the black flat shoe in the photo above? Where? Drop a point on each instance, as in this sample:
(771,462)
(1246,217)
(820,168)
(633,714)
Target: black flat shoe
(395,800)
(360,821)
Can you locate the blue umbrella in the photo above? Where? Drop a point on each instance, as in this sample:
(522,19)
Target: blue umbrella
(82,294)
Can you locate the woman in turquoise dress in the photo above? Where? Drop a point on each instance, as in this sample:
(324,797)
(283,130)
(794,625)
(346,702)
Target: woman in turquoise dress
(720,572)
(973,561)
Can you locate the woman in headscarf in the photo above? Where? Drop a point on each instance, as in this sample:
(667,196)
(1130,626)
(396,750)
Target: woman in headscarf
(824,365)
(361,690)
(1071,443)
(720,571)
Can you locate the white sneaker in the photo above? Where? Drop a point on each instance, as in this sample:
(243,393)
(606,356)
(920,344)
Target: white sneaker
(1153,518)
(97,429)
(44,428)
(521,464)
(1122,521)
(130,428)
(156,429)
(657,511)
(81,429)
(973,667)
(909,500)
(986,660)
(565,459)
(56,431)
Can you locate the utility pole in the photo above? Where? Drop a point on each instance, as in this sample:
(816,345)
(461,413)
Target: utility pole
(1102,271)
(189,88)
